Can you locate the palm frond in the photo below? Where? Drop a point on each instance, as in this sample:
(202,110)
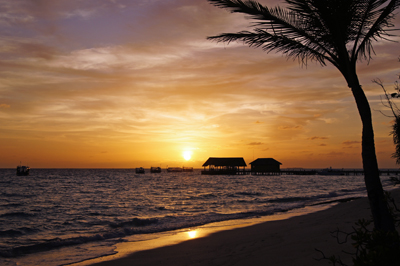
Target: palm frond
(382,19)
(366,13)
(283,24)
(321,30)
(270,42)
(250,7)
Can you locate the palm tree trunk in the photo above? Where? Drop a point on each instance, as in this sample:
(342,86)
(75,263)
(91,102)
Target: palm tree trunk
(379,208)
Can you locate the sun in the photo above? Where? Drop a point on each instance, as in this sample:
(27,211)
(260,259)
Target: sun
(187,155)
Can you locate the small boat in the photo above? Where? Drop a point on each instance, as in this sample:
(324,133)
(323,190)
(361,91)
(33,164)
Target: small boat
(155,170)
(22,170)
(174,169)
(139,170)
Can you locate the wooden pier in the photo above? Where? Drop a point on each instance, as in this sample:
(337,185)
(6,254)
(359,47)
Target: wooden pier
(271,167)
(346,172)
(225,172)
(336,172)
(298,172)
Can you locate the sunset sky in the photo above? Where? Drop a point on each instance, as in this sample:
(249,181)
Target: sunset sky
(131,83)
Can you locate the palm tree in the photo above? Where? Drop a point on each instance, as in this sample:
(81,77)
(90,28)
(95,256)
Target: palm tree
(340,32)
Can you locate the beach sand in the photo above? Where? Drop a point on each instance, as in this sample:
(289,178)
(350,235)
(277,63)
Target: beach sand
(283,242)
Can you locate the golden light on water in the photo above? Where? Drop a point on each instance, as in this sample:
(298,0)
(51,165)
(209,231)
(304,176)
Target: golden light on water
(192,234)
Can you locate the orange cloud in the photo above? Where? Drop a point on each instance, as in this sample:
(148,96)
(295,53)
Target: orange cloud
(290,127)
(318,138)
(255,143)
(351,142)
(139,80)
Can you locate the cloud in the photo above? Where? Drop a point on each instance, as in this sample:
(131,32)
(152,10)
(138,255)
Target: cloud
(318,138)
(24,49)
(255,143)
(108,74)
(290,127)
(333,154)
(350,142)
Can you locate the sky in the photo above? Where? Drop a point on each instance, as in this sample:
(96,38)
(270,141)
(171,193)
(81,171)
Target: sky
(135,83)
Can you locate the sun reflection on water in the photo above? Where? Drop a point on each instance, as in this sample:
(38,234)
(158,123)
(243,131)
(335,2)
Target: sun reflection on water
(192,234)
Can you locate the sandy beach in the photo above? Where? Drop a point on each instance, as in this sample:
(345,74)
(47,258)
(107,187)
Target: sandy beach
(283,242)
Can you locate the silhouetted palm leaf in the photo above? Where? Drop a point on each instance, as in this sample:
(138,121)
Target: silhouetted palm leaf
(313,29)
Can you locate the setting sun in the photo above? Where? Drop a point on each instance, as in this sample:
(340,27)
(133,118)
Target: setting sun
(187,155)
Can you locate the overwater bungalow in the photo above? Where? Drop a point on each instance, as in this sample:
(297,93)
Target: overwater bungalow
(224,166)
(265,166)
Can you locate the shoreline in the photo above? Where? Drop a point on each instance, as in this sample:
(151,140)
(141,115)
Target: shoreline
(170,238)
(288,238)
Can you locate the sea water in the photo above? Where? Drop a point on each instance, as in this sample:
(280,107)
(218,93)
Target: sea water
(62,216)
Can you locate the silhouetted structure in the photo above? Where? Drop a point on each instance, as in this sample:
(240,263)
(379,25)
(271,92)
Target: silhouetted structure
(224,166)
(265,166)
(22,170)
(187,169)
(155,170)
(174,169)
(139,170)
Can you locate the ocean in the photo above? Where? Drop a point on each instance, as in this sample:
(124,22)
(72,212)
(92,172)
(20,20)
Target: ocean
(61,216)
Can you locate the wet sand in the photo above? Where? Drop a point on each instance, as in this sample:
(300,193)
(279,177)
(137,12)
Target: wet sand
(286,242)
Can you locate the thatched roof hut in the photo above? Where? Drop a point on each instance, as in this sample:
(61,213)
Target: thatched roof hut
(227,161)
(265,166)
(224,166)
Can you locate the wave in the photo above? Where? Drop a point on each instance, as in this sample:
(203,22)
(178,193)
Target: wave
(10,233)
(16,195)
(134,222)
(249,193)
(132,226)
(316,198)
(10,205)
(203,196)
(17,232)
(120,229)
(47,245)
(17,214)
(125,208)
